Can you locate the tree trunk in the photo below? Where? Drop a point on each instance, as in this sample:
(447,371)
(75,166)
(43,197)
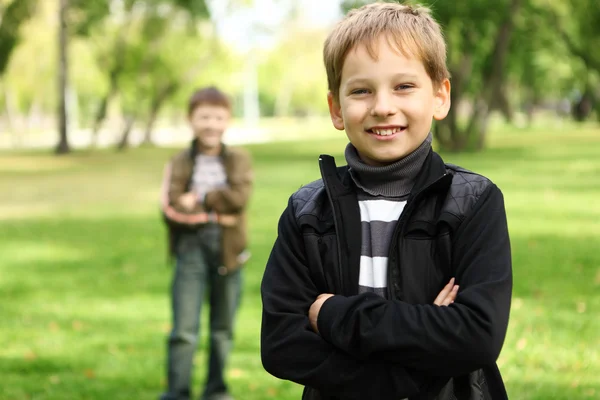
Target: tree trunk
(448,132)
(502,104)
(454,138)
(113,86)
(128,126)
(284,97)
(478,124)
(157,103)
(494,81)
(99,119)
(10,111)
(63,143)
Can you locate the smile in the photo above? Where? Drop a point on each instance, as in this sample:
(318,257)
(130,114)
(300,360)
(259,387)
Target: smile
(386,131)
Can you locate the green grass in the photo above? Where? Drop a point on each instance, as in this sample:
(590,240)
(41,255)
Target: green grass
(84,282)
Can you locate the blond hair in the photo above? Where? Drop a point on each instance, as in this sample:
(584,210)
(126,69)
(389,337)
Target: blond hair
(411,29)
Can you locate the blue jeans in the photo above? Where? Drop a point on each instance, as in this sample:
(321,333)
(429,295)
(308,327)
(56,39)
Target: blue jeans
(196,276)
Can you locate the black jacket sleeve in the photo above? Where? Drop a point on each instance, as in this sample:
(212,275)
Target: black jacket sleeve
(291,350)
(448,341)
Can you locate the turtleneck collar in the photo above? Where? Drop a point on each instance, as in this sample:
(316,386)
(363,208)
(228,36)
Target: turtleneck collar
(393,180)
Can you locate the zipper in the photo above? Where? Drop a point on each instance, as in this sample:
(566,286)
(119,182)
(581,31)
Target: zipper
(394,243)
(337,231)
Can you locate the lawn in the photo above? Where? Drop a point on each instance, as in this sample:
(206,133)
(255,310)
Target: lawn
(84,278)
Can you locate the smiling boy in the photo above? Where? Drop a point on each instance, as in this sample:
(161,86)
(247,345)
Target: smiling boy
(349,291)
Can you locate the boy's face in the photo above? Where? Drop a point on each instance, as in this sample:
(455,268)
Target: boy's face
(209,122)
(386,105)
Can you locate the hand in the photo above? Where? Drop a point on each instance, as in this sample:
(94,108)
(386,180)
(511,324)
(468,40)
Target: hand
(313,312)
(447,295)
(228,219)
(187,201)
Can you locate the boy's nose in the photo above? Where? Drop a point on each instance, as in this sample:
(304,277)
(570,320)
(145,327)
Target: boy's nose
(383,105)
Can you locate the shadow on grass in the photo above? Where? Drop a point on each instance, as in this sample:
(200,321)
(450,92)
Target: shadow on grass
(39,366)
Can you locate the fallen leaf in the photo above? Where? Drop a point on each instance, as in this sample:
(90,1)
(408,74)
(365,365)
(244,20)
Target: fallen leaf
(521,344)
(30,355)
(581,307)
(517,303)
(272,392)
(236,373)
(90,374)
(574,384)
(77,325)
(53,326)
(539,311)
(54,379)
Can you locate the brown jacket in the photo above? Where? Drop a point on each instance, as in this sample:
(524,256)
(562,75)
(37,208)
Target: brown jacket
(228,203)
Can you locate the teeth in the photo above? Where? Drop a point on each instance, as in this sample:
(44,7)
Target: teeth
(386,132)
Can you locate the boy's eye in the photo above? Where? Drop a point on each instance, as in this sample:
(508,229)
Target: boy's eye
(404,86)
(359,91)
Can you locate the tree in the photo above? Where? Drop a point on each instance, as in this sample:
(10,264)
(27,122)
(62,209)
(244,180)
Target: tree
(158,62)
(63,70)
(140,27)
(578,25)
(12,17)
(289,88)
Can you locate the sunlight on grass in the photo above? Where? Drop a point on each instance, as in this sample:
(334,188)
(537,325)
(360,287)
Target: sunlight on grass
(34,163)
(29,252)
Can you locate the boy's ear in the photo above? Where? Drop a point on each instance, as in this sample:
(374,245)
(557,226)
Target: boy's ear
(442,101)
(335,111)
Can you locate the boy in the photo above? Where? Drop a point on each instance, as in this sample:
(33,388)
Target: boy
(205,192)
(348,291)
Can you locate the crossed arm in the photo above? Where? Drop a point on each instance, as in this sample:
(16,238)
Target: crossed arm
(365,337)
(221,204)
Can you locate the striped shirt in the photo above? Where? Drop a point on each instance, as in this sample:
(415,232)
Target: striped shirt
(378,216)
(209,174)
(383,192)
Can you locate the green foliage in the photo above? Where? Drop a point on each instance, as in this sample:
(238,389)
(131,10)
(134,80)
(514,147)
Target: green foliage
(11,18)
(84,15)
(196,8)
(132,51)
(292,78)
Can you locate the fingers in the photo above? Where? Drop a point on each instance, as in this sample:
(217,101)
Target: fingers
(315,308)
(187,201)
(326,295)
(444,293)
(451,297)
(447,295)
(227,220)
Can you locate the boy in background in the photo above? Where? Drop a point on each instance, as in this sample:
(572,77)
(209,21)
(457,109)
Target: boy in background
(205,192)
